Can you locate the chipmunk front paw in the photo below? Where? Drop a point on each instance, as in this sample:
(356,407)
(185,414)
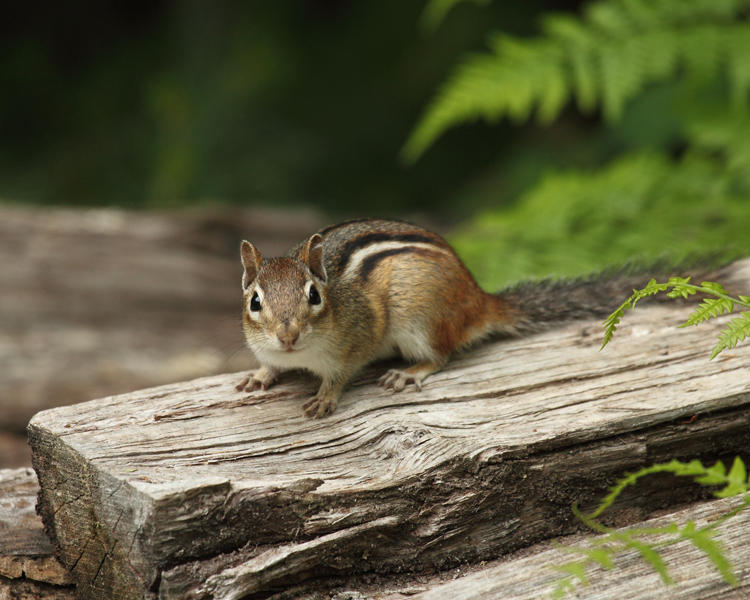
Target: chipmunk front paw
(261,379)
(319,406)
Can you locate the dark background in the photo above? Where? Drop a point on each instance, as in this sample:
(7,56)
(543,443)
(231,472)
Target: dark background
(165,104)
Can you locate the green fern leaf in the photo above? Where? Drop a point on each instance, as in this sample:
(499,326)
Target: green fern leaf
(702,49)
(652,557)
(613,320)
(611,323)
(651,289)
(714,287)
(737,480)
(576,569)
(576,39)
(736,330)
(738,472)
(713,475)
(609,545)
(606,17)
(692,468)
(601,556)
(605,57)
(562,588)
(681,287)
(709,309)
(701,539)
(556,95)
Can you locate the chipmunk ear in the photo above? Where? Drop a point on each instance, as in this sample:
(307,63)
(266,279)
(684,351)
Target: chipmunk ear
(312,256)
(251,261)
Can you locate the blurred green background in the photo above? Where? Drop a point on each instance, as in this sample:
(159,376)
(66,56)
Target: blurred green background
(562,136)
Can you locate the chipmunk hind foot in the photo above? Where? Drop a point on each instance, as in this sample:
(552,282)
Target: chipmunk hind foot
(398,379)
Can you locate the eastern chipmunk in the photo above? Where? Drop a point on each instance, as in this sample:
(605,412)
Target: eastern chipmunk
(368,289)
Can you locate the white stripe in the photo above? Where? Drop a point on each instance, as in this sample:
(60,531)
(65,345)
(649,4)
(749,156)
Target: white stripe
(356,259)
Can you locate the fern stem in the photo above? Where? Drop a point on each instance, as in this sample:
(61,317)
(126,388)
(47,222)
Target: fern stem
(704,290)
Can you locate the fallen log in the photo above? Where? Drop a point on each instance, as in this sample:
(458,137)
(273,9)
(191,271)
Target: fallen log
(693,574)
(28,567)
(195,490)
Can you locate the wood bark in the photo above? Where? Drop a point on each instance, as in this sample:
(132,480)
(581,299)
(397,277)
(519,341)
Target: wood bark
(28,567)
(694,575)
(194,490)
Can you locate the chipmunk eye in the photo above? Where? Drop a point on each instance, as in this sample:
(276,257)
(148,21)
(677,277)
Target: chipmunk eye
(255,302)
(313,295)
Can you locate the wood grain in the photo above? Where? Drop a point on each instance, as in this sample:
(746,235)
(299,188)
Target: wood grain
(534,577)
(194,490)
(28,567)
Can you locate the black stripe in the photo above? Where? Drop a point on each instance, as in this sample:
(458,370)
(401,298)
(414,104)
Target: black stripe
(342,224)
(371,238)
(372,261)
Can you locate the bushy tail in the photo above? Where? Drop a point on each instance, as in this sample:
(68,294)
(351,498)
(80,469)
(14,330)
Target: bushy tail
(539,305)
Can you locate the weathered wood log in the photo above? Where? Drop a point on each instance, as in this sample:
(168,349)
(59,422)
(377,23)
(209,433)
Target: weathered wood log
(534,577)
(28,567)
(195,490)
(106,301)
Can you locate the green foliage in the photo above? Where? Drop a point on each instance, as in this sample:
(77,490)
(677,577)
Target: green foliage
(602,59)
(677,67)
(663,74)
(736,331)
(731,483)
(680,287)
(648,542)
(638,206)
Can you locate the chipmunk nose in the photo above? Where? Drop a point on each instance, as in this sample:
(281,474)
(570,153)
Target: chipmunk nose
(288,334)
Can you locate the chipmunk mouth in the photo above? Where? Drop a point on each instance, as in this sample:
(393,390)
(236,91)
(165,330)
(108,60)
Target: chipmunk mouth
(288,348)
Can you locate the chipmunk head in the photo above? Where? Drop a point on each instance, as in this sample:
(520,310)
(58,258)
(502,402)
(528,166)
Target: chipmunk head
(284,299)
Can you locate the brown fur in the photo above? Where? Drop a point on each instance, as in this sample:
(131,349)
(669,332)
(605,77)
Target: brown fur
(385,287)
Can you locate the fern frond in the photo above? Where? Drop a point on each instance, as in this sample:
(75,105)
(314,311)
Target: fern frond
(652,288)
(680,287)
(736,330)
(724,130)
(612,321)
(603,58)
(603,549)
(576,569)
(652,557)
(702,539)
(709,309)
(694,468)
(598,555)
(737,482)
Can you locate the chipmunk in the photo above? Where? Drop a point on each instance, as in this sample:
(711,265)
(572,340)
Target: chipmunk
(368,289)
